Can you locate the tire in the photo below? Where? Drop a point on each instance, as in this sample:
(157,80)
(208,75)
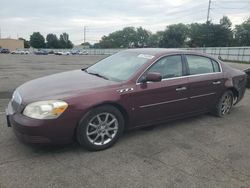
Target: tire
(224,104)
(101,128)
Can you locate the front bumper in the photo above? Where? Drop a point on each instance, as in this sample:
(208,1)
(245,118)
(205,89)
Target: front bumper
(28,130)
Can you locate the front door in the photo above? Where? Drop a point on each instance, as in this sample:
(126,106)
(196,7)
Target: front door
(157,101)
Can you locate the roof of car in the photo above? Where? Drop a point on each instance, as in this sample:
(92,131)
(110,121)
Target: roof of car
(162,51)
(155,51)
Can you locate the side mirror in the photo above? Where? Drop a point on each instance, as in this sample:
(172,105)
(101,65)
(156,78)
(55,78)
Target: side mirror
(152,77)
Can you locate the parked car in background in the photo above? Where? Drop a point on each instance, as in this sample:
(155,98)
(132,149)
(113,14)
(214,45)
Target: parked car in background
(247,71)
(84,52)
(4,51)
(133,88)
(62,53)
(75,52)
(41,52)
(26,52)
(51,52)
(58,53)
(15,52)
(20,52)
(78,52)
(66,53)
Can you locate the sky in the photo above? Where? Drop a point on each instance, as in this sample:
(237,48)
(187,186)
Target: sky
(22,18)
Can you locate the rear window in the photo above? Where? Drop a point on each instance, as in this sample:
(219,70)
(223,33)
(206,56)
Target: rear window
(201,65)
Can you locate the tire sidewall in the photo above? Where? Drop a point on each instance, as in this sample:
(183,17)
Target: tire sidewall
(82,127)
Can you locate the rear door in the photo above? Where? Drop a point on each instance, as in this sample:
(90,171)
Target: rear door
(156,101)
(205,82)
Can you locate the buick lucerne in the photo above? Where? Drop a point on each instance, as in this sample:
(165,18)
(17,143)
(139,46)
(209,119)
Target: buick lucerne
(130,89)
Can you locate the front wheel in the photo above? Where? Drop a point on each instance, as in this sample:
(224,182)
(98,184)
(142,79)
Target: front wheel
(225,104)
(101,128)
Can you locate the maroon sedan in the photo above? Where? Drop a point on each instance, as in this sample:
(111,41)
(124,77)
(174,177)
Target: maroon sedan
(133,88)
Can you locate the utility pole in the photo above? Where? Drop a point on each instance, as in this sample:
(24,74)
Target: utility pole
(84,34)
(208,10)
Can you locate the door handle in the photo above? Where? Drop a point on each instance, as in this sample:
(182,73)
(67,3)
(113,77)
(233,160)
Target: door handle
(217,82)
(180,88)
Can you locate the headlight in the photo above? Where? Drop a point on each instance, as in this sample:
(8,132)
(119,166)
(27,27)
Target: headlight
(51,109)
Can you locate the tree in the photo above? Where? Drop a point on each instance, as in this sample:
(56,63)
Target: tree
(174,36)
(26,43)
(210,35)
(154,39)
(143,37)
(64,41)
(37,40)
(225,22)
(85,44)
(52,41)
(242,33)
(128,37)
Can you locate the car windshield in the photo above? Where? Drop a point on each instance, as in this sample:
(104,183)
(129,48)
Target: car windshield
(119,67)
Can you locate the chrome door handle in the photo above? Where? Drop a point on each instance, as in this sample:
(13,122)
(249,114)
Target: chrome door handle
(217,82)
(180,88)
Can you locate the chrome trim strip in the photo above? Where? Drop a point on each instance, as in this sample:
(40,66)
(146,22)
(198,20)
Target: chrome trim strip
(171,101)
(204,95)
(166,102)
(186,76)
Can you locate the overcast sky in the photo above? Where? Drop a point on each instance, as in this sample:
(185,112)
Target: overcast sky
(21,18)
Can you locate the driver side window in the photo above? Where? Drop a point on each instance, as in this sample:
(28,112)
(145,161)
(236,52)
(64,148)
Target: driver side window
(168,67)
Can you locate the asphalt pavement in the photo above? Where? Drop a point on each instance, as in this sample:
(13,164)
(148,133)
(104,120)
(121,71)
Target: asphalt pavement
(203,151)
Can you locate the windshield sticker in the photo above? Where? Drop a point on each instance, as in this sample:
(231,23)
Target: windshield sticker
(146,56)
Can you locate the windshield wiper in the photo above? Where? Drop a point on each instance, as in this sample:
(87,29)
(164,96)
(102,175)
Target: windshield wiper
(97,74)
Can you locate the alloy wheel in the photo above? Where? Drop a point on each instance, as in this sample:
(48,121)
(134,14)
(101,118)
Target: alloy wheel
(102,129)
(226,104)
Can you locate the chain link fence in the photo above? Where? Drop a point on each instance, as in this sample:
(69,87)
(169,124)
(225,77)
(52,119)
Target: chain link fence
(236,54)
(239,54)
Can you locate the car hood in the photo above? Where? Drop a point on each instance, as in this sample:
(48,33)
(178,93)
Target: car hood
(62,85)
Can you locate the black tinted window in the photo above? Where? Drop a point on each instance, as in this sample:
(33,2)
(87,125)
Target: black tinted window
(168,67)
(199,64)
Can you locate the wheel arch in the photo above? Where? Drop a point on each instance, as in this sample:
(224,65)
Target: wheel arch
(235,93)
(117,106)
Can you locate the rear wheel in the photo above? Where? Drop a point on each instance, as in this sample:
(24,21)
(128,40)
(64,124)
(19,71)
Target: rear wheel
(101,128)
(225,104)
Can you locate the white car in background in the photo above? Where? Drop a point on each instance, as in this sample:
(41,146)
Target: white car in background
(62,53)
(20,52)
(78,52)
